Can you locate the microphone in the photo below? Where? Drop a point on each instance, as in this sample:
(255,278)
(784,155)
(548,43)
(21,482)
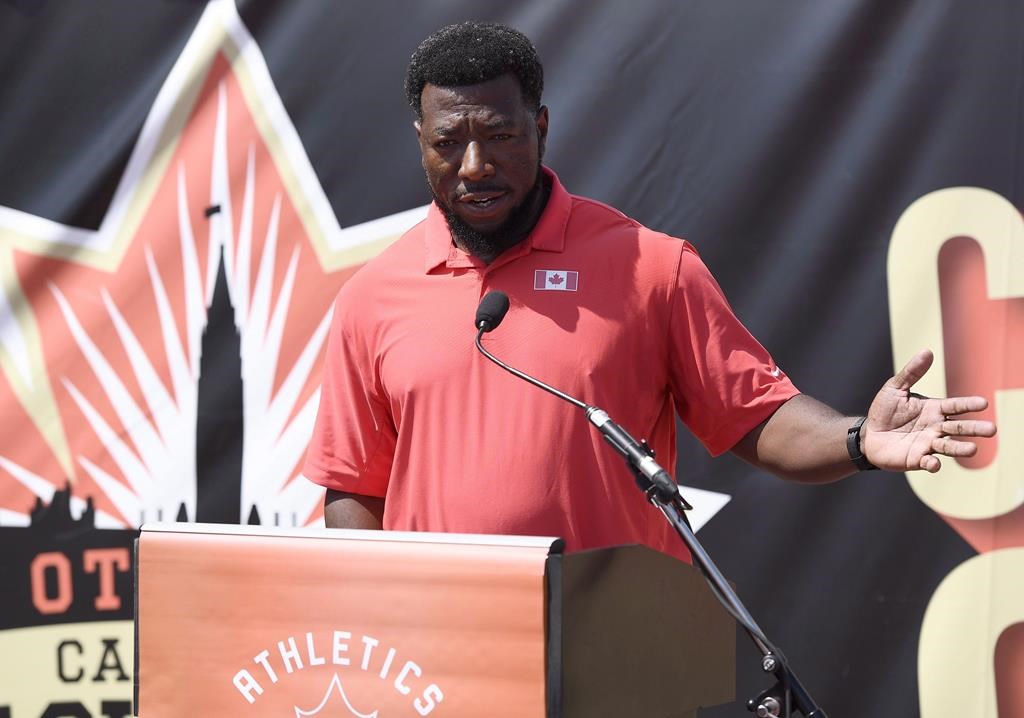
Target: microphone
(491,311)
(639,456)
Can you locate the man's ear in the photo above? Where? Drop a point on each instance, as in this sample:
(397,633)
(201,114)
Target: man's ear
(542,129)
(417,124)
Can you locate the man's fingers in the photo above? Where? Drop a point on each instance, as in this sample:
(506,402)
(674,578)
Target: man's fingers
(913,371)
(930,464)
(967,427)
(962,404)
(951,447)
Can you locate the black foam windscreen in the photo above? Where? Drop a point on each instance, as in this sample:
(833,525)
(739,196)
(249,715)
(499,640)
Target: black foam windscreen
(491,310)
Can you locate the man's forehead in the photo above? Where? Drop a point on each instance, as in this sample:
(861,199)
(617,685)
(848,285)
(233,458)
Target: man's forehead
(495,100)
(444,124)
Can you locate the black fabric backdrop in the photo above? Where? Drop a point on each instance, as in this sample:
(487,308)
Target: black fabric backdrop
(784,139)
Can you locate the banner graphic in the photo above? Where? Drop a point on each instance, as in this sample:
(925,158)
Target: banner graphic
(967,245)
(184,187)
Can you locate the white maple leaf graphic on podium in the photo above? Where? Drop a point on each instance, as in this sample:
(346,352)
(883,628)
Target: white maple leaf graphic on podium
(334,687)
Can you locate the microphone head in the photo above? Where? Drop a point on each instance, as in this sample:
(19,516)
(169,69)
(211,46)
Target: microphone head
(491,311)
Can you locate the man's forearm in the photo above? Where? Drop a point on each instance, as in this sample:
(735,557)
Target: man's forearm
(353,511)
(804,440)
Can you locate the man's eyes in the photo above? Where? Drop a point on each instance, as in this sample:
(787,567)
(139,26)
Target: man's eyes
(446,143)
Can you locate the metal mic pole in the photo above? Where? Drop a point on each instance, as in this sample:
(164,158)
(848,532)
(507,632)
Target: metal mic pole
(788,693)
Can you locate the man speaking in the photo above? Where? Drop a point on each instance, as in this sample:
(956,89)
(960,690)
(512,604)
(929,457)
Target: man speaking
(416,431)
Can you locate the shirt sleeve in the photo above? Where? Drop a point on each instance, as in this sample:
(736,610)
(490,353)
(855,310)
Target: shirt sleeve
(723,381)
(354,435)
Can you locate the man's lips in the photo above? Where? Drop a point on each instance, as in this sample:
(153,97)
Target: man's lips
(482,205)
(480,196)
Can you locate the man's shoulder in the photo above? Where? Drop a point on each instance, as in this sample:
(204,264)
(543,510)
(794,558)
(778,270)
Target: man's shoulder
(403,255)
(593,220)
(357,299)
(587,209)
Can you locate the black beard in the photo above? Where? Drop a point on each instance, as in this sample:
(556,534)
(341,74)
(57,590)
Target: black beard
(489,245)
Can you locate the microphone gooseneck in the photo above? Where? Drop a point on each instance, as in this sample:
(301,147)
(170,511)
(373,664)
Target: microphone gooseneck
(489,314)
(639,457)
(788,693)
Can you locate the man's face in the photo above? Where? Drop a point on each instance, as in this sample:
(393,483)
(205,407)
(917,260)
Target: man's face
(481,147)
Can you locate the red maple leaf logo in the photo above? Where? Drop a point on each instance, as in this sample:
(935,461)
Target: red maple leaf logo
(106,345)
(557,279)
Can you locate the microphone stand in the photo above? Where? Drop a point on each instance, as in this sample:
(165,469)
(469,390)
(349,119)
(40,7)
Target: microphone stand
(788,693)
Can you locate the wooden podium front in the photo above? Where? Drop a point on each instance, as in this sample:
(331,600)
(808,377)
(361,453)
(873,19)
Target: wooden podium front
(249,621)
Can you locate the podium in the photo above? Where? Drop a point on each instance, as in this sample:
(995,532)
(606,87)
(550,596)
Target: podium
(251,621)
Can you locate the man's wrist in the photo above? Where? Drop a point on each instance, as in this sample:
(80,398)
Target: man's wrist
(854,436)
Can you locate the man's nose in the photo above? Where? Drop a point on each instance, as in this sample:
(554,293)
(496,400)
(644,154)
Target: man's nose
(475,166)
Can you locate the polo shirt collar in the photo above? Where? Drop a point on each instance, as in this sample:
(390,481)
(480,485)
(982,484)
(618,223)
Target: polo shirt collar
(548,235)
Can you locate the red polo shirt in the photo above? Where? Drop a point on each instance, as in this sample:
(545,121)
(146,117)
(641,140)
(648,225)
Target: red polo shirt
(601,308)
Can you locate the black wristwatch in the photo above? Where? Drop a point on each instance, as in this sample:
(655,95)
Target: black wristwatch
(853,446)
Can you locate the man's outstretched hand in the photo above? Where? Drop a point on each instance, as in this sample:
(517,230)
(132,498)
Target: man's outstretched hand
(905,431)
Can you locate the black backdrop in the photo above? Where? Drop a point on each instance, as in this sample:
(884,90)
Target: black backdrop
(784,139)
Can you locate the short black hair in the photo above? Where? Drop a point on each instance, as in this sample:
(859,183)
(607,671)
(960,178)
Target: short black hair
(470,53)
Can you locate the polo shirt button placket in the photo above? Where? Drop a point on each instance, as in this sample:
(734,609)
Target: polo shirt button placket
(485,280)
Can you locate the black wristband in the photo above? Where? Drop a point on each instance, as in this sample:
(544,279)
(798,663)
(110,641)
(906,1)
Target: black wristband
(853,447)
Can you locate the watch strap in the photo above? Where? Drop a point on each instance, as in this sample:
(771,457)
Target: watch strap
(853,447)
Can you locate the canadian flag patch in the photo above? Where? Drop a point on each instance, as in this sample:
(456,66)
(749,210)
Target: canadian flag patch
(559,280)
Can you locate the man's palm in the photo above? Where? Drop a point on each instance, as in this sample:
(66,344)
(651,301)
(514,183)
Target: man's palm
(904,431)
